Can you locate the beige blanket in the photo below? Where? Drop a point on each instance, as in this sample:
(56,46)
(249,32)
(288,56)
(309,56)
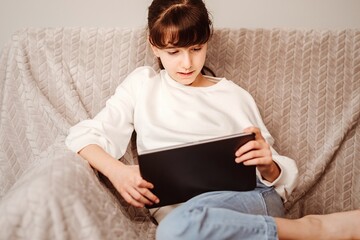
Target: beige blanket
(305,82)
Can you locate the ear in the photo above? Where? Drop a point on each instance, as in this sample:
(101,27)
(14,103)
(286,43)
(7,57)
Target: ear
(154,49)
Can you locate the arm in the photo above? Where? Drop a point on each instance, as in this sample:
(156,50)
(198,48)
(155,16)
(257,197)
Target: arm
(126,179)
(267,158)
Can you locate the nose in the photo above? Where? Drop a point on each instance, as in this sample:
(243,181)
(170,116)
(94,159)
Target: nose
(186,61)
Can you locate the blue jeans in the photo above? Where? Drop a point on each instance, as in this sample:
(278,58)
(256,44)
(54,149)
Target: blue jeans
(225,215)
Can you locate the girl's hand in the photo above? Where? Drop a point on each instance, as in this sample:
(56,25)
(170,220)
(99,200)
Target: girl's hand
(132,187)
(258,153)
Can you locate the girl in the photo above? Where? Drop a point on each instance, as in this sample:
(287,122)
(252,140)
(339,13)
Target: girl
(180,104)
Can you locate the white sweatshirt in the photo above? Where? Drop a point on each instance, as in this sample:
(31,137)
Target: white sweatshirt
(164,112)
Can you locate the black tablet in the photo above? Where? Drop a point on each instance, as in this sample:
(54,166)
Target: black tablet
(184,171)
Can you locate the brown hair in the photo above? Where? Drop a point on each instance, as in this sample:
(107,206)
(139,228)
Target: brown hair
(181,23)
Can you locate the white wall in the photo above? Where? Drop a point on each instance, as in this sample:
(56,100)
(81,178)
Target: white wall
(333,14)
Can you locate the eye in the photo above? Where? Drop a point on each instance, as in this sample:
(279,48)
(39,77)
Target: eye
(173,52)
(196,49)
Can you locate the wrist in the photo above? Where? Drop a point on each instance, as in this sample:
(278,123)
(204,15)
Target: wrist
(270,173)
(112,167)
(100,160)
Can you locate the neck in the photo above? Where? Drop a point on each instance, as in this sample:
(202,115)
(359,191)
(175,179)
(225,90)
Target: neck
(201,81)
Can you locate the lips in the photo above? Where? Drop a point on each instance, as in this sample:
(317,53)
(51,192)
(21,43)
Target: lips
(186,74)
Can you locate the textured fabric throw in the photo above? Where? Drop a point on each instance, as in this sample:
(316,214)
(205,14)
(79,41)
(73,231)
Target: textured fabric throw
(305,82)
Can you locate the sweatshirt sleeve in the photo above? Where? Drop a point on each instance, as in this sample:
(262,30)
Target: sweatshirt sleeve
(112,127)
(288,178)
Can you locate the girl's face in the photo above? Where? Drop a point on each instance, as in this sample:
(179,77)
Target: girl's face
(183,64)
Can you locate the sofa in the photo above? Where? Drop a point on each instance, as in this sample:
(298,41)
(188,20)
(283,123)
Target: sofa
(306,83)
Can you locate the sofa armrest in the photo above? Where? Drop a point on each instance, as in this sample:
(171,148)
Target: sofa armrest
(59,196)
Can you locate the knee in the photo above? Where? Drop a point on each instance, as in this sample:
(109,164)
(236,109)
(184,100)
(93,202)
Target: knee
(181,223)
(163,232)
(167,230)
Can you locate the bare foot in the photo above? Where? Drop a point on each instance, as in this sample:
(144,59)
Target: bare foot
(337,226)
(340,225)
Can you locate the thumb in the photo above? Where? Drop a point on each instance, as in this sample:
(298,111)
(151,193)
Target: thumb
(252,129)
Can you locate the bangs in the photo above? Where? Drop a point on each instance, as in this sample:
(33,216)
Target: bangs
(186,27)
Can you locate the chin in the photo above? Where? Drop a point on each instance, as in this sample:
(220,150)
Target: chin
(186,83)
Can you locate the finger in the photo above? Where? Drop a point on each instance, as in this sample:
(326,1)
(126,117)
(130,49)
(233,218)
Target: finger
(129,199)
(144,187)
(248,156)
(149,195)
(261,153)
(137,196)
(247,147)
(145,184)
(251,162)
(260,161)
